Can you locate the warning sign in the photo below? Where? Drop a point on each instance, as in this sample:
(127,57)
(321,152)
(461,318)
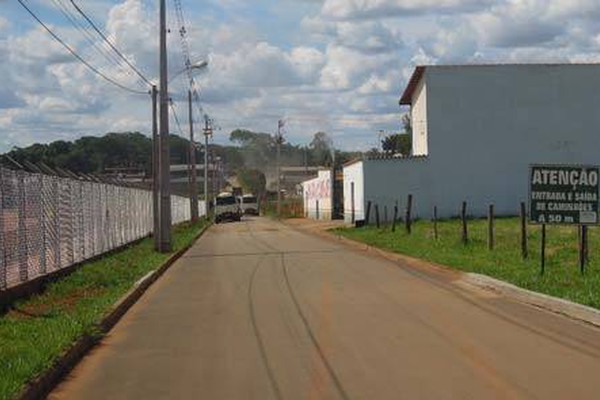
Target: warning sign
(563,194)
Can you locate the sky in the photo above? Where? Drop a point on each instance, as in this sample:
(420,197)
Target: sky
(337,66)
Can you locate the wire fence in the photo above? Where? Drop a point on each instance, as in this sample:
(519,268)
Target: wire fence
(48,223)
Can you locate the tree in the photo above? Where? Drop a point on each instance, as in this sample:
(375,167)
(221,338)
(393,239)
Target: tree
(407,124)
(373,152)
(321,147)
(258,149)
(252,181)
(397,144)
(90,154)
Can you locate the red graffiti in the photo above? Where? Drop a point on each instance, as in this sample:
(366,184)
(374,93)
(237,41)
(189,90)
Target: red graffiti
(317,190)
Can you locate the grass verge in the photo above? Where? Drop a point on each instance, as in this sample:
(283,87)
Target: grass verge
(35,332)
(562,278)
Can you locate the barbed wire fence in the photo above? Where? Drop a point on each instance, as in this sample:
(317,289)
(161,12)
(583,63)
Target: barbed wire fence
(48,223)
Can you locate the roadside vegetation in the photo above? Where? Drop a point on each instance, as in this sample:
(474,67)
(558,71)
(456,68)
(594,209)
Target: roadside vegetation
(561,279)
(35,332)
(290,208)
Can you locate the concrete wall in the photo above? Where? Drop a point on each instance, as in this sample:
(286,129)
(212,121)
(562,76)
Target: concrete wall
(354,203)
(486,124)
(389,182)
(386,183)
(318,196)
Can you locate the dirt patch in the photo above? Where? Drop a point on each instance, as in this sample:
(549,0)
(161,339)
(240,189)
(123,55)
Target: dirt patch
(46,308)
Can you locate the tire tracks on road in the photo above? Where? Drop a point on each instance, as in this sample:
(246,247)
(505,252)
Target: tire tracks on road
(309,331)
(335,379)
(259,339)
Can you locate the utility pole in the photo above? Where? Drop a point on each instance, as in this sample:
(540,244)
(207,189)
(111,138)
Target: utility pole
(192,159)
(164,159)
(207,132)
(155,170)
(279,141)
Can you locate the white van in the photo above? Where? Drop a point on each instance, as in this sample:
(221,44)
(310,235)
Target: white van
(227,208)
(249,204)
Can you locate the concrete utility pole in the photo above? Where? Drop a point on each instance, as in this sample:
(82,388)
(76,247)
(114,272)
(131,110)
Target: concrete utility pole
(279,141)
(207,133)
(192,159)
(155,170)
(164,159)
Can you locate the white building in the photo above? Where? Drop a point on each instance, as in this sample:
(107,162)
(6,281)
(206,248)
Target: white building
(476,129)
(318,196)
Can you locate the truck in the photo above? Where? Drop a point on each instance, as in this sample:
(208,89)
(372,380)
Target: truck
(249,204)
(227,208)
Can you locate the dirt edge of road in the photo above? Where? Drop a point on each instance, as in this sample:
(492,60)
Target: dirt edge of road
(545,302)
(44,384)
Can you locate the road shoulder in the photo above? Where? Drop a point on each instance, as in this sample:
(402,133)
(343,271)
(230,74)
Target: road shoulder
(465,280)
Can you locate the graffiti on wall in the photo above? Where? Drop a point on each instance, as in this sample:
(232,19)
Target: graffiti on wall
(317,189)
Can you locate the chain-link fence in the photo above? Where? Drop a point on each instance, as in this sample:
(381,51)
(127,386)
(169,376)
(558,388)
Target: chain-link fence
(48,223)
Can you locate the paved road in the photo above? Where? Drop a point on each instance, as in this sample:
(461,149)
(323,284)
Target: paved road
(257,310)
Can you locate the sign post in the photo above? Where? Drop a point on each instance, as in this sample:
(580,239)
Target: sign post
(563,194)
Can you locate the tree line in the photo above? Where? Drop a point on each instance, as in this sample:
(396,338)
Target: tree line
(249,156)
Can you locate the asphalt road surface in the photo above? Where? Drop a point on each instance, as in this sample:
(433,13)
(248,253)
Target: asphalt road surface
(258,310)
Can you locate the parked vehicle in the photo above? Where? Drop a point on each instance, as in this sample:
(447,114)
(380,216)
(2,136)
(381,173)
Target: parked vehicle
(249,204)
(227,208)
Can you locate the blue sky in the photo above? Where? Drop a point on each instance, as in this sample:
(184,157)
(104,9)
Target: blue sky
(323,65)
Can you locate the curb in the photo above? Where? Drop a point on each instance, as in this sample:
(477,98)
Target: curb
(555,305)
(44,384)
(413,262)
(566,308)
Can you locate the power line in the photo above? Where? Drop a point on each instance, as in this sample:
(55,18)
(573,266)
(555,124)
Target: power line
(77,56)
(112,46)
(185,53)
(176,118)
(87,34)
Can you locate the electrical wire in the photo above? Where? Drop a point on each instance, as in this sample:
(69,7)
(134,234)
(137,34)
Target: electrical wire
(185,52)
(112,46)
(86,33)
(176,118)
(74,54)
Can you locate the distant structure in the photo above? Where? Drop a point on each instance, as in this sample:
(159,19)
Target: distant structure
(291,178)
(180,178)
(318,196)
(476,129)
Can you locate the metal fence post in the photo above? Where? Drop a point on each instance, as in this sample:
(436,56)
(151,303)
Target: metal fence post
(82,235)
(42,223)
(21,229)
(56,197)
(3,280)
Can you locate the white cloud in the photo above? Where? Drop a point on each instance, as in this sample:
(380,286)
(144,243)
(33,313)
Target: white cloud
(4,24)
(367,37)
(339,68)
(362,9)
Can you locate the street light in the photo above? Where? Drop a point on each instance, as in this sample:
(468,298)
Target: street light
(160,136)
(197,65)
(193,188)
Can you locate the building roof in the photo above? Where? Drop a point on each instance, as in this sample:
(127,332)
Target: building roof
(352,162)
(419,71)
(407,96)
(301,169)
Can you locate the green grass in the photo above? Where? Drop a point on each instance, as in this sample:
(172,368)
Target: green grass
(38,330)
(562,278)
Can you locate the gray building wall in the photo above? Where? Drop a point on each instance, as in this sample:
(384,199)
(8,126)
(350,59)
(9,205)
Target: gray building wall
(487,124)
(390,181)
